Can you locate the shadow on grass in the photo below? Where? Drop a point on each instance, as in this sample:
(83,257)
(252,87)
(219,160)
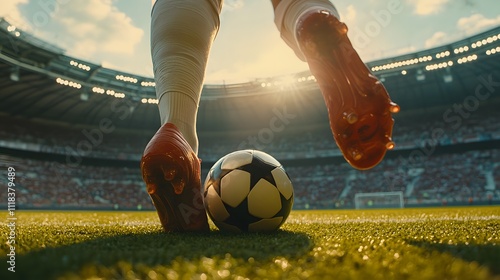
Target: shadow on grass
(154,249)
(487,255)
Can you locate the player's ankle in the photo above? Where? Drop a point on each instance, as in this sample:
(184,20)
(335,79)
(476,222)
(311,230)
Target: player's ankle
(288,14)
(188,131)
(308,12)
(181,110)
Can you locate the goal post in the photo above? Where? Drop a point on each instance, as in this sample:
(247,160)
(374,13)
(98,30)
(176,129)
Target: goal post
(379,200)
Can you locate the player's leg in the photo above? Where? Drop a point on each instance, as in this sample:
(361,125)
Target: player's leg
(182,32)
(359,106)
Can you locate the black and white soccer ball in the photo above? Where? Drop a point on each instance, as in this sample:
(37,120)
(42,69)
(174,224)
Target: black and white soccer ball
(248,190)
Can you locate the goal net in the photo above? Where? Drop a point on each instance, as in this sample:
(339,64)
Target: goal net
(379,200)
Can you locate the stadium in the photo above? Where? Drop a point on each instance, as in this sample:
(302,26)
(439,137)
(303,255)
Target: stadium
(75,131)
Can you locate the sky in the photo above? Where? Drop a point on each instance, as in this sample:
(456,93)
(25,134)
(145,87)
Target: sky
(116,33)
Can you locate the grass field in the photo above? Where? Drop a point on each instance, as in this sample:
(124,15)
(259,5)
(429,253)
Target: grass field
(433,243)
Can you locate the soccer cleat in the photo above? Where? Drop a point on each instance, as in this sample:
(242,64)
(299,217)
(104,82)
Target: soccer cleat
(171,171)
(359,107)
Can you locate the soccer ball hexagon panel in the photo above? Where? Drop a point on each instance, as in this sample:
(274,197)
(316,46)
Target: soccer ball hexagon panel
(248,190)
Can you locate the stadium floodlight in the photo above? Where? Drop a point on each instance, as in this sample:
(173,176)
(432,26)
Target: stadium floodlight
(149,101)
(148,84)
(302,79)
(68,83)
(12,29)
(379,200)
(466,59)
(461,49)
(126,79)
(79,65)
(493,51)
(98,90)
(443,54)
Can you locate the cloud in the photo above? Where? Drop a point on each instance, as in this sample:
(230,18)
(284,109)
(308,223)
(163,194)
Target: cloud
(476,23)
(109,65)
(276,59)
(350,14)
(436,39)
(466,26)
(92,26)
(10,10)
(427,7)
(231,5)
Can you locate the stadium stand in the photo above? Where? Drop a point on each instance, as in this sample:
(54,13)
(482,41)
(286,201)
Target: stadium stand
(75,131)
(447,178)
(46,184)
(293,143)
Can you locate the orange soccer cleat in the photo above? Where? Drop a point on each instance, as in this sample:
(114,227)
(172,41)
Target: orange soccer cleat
(171,171)
(359,106)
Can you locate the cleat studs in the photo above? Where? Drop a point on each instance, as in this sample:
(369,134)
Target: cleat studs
(394,108)
(356,154)
(352,118)
(151,188)
(390,145)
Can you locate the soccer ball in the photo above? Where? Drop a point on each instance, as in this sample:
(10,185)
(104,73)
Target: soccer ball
(248,190)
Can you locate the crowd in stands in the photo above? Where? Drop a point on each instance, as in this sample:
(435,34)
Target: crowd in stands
(444,130)
(459,177)
(317,186)
(468,177)
(464,177)
(289,144)
(456,178)
(42,184)
(63,139)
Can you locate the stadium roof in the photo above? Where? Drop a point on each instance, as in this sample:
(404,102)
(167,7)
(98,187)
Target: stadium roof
(38,81)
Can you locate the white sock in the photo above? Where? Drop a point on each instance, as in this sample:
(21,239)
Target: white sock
(287,14)
(182,32)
